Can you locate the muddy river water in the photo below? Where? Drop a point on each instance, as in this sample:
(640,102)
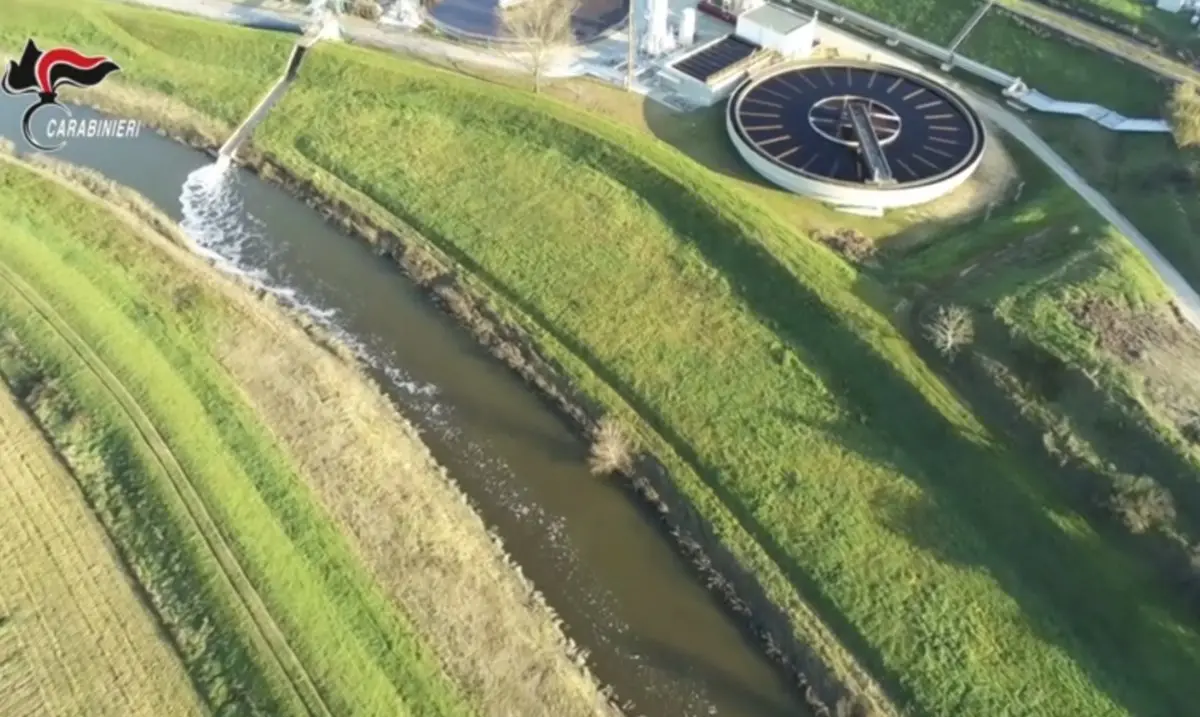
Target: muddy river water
(603,563)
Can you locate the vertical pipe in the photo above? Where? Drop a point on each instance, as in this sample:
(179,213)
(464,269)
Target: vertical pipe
(629,62)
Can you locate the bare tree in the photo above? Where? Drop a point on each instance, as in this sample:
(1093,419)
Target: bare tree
(950,329)
(611,451)
(541,29)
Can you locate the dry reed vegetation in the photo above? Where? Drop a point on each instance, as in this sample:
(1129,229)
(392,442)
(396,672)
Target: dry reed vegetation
(489,627)
(415,532)
(75,639)
(611,450)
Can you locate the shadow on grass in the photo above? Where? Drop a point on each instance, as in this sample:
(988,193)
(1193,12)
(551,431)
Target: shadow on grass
(1115,426)
(701,135)
(1051,575)
(1001,525)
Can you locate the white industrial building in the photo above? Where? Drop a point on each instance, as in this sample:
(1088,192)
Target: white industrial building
(776,28)
(763,34)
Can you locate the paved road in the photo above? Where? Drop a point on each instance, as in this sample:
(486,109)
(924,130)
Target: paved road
(1186,298)
(1103,39)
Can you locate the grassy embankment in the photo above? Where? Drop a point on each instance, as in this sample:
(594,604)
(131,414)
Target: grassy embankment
(130,360)
(750,360)
(495,638)
(1076,350)
(1146,177)
(75,638)
(215,497)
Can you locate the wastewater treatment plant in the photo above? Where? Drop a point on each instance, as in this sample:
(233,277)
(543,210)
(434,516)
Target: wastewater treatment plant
(859,136)
(532,358)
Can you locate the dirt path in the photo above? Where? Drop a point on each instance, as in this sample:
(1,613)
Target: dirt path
(75,639)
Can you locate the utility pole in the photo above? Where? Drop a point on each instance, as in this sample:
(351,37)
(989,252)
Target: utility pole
(629,62)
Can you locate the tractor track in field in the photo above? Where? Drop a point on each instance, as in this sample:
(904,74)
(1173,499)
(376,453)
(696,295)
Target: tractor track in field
(268,631)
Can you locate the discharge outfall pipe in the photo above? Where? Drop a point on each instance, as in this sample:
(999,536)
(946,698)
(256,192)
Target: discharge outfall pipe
(276,93)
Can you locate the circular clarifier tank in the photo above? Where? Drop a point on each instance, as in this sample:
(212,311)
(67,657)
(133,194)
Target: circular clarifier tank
(480,19)
(912,141)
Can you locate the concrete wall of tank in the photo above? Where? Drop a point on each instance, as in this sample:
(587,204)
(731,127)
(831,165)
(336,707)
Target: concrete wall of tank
(841,195)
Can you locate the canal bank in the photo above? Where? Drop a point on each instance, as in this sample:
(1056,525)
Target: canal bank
(652,630)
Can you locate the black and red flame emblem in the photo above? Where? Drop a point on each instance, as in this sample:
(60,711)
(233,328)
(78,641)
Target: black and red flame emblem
(45,72)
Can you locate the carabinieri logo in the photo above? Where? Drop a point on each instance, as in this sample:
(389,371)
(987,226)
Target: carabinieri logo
(43,73)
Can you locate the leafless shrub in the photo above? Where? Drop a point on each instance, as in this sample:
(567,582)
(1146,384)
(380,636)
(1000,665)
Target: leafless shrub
(185,297)
(1142,504)
(540,28)
(950,329)
(612,451)
(366,9)
(1183,109)
(851,244)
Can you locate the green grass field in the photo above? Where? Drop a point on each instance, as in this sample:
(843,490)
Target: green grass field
(1149,21)
(1046,62)
(1061,251)
(759,367)
(1064,71)
(123,302)
(1145,176)
(1038,366)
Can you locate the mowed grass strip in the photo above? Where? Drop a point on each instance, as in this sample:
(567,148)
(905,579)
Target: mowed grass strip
(751,361)
(75,637)
(352,645)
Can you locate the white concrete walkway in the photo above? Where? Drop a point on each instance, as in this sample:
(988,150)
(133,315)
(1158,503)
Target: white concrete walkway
(1100,115)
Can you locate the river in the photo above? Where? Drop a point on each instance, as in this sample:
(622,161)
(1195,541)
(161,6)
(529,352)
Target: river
(606,566)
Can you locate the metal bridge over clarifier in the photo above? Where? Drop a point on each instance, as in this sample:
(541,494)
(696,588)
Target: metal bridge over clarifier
(869,146)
